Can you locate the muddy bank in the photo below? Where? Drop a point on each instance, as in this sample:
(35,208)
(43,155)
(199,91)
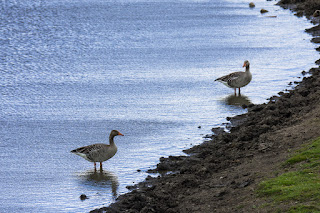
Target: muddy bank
(221,175)
(302,8)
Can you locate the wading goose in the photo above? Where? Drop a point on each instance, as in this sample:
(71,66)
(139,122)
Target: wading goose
(237,79)
(99,152)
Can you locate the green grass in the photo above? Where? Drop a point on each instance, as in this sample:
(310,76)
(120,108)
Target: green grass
(309,153)
(299,189)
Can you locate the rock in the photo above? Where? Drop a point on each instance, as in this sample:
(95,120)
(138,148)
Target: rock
(147,209)
(131,187)
(315,31)
(208,136)
(220,193)
(316,40)
(316,13)
(251,5)
(263,11)
(83,197)
(245,183)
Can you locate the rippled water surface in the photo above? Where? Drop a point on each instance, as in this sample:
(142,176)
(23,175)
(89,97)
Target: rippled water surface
(71,71)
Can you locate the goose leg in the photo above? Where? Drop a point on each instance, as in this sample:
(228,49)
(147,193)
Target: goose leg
(235,91)
(239,91)
(95,169)
(100,166)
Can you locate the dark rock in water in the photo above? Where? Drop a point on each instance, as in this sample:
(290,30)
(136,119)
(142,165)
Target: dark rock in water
(131,187)
(315,31)
(316,40)
(251,5)
(208,136)
(263,11)
(83,197)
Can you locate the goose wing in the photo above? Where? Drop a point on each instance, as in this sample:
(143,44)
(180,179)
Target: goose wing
(230,76)
(228,79)
(90,152)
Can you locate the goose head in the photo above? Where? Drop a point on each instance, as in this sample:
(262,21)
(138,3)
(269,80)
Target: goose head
(115,133)
(246,63)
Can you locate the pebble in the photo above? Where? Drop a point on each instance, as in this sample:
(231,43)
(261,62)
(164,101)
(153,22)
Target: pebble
(83,197)
(263,11)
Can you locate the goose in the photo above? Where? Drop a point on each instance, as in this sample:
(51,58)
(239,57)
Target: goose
(99,152)
(237,79)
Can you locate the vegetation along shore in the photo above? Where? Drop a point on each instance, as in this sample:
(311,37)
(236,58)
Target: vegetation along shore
(268,162)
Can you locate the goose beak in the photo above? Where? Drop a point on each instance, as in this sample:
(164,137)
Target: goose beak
(120,134)
(244,65)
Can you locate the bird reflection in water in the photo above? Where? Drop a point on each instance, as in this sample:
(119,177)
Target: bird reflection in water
(237,100)
(101,178)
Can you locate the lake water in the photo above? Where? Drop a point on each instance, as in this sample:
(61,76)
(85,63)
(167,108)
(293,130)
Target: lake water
(73,70)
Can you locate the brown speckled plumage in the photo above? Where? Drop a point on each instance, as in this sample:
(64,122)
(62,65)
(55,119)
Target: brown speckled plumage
(99,152)
(237,79)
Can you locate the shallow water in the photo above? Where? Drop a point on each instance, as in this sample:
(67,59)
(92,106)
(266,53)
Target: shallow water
(71,71)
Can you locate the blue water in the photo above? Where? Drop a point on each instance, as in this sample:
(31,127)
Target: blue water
(71,71)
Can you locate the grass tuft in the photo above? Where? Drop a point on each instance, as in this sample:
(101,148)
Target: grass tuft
(310,153)
(300,188)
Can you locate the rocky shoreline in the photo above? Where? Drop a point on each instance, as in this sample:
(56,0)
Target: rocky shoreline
(221,175)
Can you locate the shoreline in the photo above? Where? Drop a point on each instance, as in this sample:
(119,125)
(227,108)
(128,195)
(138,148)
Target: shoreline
(221,175)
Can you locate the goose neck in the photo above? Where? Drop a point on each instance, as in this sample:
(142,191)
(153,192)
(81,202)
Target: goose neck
(111,140)
(248,68)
